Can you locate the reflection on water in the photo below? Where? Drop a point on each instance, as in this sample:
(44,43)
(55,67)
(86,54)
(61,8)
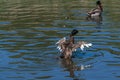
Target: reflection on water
(29,30)
(97,19)
(71,67)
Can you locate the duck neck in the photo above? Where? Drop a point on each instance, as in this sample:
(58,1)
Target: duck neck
(71,39)
(100,7)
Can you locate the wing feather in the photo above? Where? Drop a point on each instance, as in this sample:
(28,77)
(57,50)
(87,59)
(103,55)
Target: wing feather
(60,44)
(81,45)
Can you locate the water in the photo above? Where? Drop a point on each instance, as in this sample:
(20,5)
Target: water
(29,30)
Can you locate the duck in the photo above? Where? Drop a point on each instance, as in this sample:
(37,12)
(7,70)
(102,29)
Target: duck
(96,11)
(68,46)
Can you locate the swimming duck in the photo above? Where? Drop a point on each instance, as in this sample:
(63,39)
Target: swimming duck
(66,47)
(96,11)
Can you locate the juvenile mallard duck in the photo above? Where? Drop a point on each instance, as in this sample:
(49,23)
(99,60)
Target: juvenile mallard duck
(96,11)
(66,47)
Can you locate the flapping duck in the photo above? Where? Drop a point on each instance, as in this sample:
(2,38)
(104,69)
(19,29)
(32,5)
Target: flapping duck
(96,11)
(66,47)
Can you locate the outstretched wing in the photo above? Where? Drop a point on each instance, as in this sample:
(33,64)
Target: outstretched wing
(81,45)
(60,44)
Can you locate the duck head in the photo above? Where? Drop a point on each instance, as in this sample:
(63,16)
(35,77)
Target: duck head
(99,4)
(74,32)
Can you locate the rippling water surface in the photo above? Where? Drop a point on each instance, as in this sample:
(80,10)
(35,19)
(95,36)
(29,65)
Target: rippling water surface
(29,30)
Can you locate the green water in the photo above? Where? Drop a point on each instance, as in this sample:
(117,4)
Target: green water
(29,30)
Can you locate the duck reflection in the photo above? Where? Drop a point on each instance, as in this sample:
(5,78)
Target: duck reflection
(71,67)
(97,19)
